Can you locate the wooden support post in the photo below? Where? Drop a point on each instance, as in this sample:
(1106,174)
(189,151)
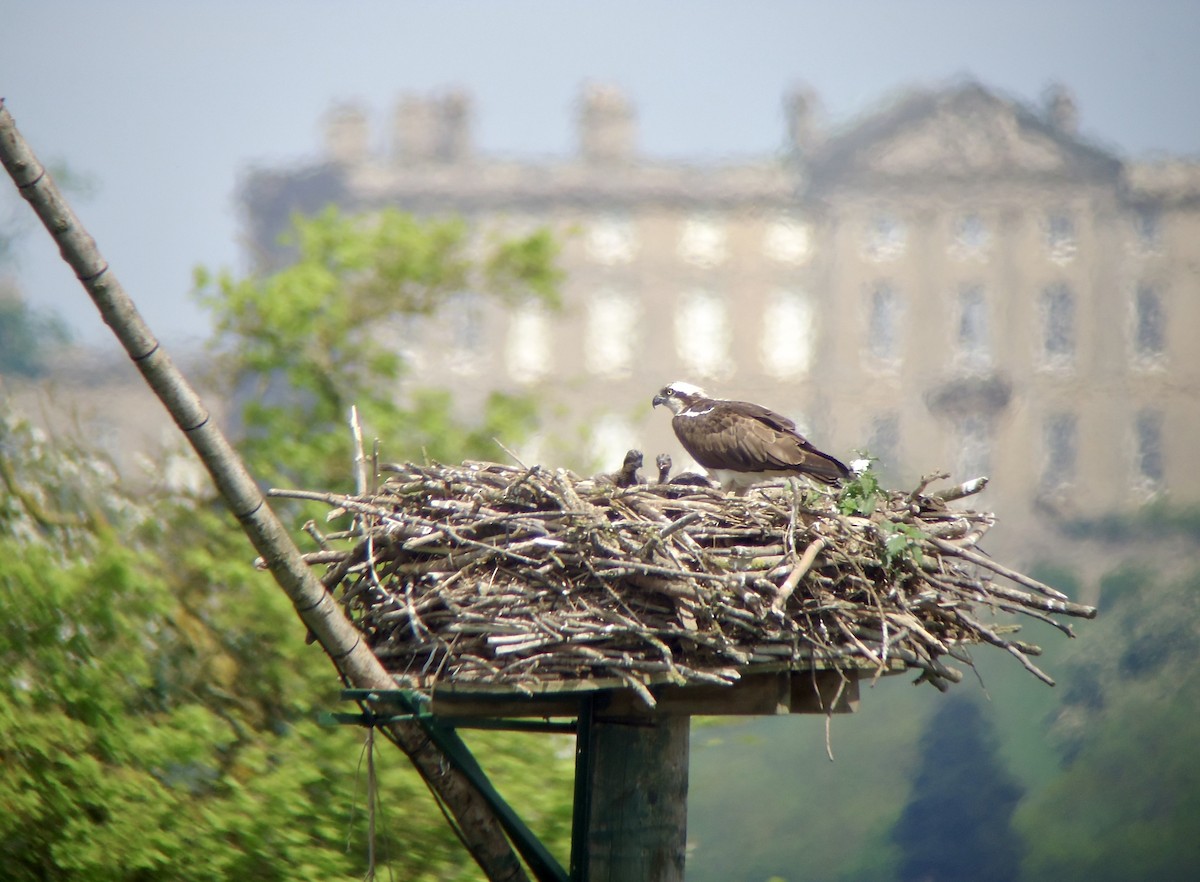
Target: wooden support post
(636,782)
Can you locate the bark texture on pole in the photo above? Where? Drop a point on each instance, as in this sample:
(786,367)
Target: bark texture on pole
(637,817)
(478,825)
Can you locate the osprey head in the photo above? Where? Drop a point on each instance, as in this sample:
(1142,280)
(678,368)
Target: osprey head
(678,395)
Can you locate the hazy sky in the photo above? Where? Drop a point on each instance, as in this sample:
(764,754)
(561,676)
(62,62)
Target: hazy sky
(165,105)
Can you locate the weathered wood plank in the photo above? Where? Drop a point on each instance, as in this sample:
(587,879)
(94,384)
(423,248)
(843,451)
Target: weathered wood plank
(761,694)
(638,781)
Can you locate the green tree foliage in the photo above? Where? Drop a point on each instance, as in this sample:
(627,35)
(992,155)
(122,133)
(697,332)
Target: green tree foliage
(54,494)
(1125,804)
(765,801)
(309,341)
(957,821)
(157,698)
(26,336)
(1158,519)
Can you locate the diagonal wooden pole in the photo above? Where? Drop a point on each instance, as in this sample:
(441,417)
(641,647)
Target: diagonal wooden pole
(477,824)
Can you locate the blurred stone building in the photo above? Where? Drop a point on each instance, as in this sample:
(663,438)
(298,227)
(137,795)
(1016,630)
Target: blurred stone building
(955,281)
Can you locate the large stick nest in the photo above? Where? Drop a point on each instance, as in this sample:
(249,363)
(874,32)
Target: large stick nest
(521,579)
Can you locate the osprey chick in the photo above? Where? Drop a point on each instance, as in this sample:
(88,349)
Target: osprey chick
(628,475)
(742,444)
(663,461)
(683,479)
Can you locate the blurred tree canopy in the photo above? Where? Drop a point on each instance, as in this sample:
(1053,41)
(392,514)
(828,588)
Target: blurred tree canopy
(1125,803)
(957,821)
(26,336)
(307,342)
(157,697)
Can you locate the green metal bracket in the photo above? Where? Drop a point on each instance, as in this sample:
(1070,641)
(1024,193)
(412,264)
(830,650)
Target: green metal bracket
(369,718)
(442,731)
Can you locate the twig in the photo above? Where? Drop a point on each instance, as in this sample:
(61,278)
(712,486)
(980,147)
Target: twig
(966,488)
(360,459)
(798,572)
(509,575)
(997,567)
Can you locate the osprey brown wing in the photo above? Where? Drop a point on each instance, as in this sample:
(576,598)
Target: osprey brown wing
(748,438)
(757,411)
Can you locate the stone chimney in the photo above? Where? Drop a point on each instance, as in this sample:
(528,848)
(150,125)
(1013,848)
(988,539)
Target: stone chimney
(606,125)
(1060,108)
(346,135)
(454,126)
(802,112)
(415,129)
(433,129)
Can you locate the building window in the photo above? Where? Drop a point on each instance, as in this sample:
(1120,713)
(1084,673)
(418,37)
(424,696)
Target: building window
(610,335)
(1147,227)
(1149,452)
(974,457)
(973,343)
(883,323)
(886,238)
(611,436)
(1058,325)
(788,240)
(883,443)
(1149,323)
(1060,237)
(611,241)
(971,238)
(702,334)
(466,326)
(788,335)
(528,353)
(702,242)
(406,335)
(1060,448)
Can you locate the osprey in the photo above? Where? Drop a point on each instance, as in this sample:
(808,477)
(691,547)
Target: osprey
(628,475)
(683,479)
(741,444)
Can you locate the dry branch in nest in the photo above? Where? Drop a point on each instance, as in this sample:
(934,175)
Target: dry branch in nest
(524,578)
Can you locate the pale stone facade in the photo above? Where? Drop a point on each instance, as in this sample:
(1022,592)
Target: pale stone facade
(955,282)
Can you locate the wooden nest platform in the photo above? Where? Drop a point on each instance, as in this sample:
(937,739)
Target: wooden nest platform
(499,578)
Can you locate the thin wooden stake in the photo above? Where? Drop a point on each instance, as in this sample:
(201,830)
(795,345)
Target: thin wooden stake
(477,825)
